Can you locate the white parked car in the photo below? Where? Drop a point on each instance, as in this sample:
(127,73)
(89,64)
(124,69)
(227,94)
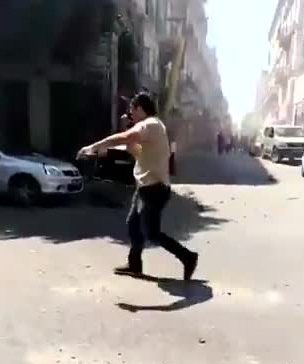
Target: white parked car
(27,176)
(255,146)
(283,141)
(302,166)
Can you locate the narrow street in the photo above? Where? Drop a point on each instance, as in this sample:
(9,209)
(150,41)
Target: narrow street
(60,302)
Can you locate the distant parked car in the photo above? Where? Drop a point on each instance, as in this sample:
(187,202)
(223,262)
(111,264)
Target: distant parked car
(27,176)
(255,146)
(302,166)
(283,141)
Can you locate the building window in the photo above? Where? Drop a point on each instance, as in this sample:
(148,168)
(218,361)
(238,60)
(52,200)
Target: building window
(150,8)
(147,7)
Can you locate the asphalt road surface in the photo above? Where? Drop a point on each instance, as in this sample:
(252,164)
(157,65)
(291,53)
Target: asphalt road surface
(60,302)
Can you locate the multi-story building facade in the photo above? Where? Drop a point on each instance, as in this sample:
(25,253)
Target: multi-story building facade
(147,11)
(284,87)
(196,66)
(203,95)
(65,65)
(59,71)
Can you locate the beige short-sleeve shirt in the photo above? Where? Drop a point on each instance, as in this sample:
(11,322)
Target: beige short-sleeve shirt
(152,161)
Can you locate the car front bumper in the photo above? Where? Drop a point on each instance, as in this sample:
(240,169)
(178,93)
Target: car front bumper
(291,152)
(62,185)
(256,150)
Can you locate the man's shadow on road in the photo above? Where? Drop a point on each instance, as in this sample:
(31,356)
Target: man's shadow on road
(191,292)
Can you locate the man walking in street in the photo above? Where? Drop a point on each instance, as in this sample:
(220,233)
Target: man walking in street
(220,143)
(148,142)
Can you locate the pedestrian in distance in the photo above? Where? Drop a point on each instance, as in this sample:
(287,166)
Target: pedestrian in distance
(220,143)
(148,142)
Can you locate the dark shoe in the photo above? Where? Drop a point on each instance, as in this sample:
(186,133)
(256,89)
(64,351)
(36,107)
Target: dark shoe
(190,265)
(126,270)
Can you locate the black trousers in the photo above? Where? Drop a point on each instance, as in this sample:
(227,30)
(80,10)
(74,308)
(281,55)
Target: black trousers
(144,223)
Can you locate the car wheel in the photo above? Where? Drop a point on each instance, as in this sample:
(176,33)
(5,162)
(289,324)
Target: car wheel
(263,152)
(258,152)
(302,171)
(275,156)
(25,190)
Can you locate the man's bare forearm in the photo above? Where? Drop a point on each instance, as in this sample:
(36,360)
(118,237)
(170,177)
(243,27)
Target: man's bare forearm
(111,141)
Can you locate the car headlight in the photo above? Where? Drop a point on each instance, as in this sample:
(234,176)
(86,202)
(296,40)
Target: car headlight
(52,171)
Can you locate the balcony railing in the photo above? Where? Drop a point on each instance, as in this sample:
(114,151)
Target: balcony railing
(285,36)
(272,90)
(281,75)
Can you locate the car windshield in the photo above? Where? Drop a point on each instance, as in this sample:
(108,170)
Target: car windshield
(289,132)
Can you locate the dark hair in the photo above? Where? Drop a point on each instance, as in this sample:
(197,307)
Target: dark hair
(146,102)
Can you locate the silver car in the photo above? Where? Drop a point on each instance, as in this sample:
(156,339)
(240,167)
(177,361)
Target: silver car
(302,166)
(283,141)
(27,176)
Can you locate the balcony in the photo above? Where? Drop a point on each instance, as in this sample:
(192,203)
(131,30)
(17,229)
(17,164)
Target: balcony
(169,42)
(271,96)
(285,36)
(281,75)
(167,50)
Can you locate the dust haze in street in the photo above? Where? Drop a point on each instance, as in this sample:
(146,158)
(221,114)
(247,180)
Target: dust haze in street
(219,78)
